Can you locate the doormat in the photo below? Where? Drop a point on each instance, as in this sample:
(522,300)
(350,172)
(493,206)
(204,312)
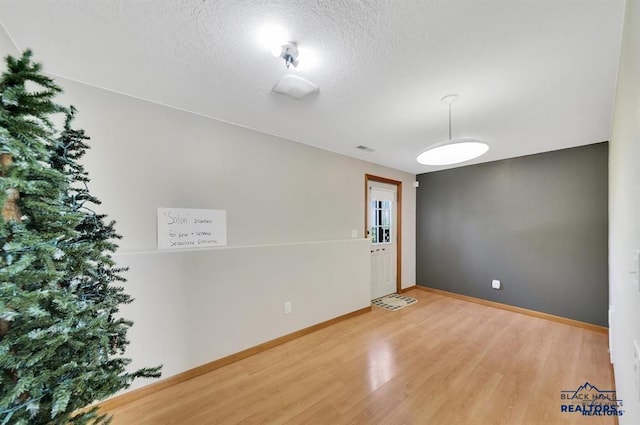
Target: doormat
(393,302)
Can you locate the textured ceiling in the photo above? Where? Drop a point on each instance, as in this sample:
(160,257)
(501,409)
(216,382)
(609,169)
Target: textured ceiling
(532,75)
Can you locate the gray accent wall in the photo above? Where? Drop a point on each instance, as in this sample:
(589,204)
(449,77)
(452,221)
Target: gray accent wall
(537,223)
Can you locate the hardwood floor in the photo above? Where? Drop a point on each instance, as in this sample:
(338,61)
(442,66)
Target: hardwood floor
(439,361)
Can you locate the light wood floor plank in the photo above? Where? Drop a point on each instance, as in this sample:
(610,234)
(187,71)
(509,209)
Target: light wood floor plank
(439,361)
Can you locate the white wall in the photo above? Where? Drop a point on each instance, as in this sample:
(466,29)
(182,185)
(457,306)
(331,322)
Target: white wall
(290,211)
(193,307)
(624,215)
(290,207)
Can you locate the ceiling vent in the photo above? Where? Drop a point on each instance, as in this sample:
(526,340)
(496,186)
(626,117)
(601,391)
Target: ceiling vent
(365,148)
(296,87)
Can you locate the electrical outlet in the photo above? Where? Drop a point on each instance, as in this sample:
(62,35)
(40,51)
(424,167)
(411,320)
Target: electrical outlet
(354,233)
(495,284)
(287,307)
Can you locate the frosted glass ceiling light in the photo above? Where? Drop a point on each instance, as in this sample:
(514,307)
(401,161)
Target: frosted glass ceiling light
(457,151)
(453,151)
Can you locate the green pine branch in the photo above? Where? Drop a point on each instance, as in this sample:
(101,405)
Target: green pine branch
(62,342)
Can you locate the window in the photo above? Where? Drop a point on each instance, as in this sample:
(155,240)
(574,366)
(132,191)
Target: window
(380,222)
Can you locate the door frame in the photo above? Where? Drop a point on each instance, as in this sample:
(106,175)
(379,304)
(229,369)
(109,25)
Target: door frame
(369,178)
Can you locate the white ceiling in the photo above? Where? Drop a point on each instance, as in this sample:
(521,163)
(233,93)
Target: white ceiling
(532,75)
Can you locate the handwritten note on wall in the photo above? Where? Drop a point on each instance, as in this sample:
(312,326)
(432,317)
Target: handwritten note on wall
(180,228)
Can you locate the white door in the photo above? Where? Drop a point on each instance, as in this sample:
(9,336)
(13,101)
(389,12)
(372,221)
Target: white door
(382,232)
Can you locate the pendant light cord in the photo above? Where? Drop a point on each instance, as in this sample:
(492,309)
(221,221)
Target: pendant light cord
(449,99)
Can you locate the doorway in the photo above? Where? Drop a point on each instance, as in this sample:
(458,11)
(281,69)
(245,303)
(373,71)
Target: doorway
(383,225)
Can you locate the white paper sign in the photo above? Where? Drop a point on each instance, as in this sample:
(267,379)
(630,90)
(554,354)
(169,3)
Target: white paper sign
(180,228)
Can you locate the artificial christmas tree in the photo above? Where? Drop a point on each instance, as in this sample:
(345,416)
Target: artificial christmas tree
(61,341)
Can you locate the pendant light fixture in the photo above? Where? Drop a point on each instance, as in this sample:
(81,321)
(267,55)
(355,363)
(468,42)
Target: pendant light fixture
(454,151)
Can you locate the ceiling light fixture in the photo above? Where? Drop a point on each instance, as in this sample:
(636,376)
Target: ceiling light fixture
(454,151)
(288,52)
